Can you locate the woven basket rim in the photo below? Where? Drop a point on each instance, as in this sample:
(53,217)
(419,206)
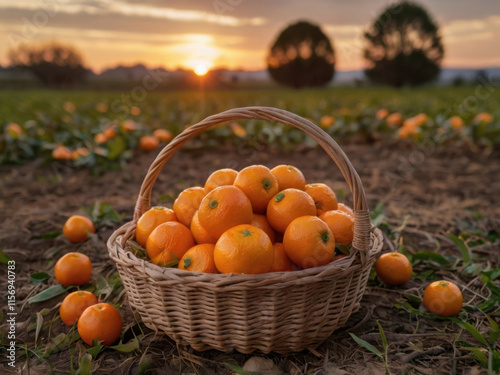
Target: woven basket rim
(348,264)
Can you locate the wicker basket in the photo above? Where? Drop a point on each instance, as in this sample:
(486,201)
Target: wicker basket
(283,312)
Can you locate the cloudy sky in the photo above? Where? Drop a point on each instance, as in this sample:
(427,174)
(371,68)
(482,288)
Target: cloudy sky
(231,33)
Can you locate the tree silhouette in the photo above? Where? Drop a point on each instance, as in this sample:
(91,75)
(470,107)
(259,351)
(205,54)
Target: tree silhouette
(52,63)
(403,46)
(302,56)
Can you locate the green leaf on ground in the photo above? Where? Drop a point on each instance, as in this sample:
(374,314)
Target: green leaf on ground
(472,330)
(494,289)
(487,305)
(495,330)
(102,287)
(382,336)
(144,364)
(39,325)
(103,213)
(43,313)
(234,366)
(480,356)
(85,363)
(128,347)
(366,345)
(492,274)
(95,350)
(412,298)
(49,293)
(39,277)
(47,235)
(462,247)
(430,256)
(4,259)
(424,276)
(59,342)
(473,269)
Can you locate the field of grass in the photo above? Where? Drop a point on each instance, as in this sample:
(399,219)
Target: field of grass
(178,106)
(439,208)
(74,118)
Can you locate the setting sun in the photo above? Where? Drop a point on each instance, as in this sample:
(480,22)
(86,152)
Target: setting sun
(201,69)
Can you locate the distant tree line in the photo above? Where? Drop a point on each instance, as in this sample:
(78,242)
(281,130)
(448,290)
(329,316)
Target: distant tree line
(53,64)
(402,48)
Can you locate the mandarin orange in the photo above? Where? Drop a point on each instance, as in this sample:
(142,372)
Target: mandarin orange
(101,322)
(187,203)
(73,269)
(258,184)
(323,196)
(150,220)
(288,205)
(348,210)
(168,241)
(393,268)
(289,177)
(199,258)
(309,242)
(443,298)
(78,228)
(244,249)
(341,225)
(200,234)
(282,262)
(224,208)
(260,221)
(74,304)
(221,177)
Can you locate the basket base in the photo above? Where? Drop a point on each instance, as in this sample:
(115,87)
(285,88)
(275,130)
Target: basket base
(285,348)
(284,312)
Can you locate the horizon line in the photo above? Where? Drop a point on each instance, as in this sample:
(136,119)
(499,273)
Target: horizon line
(152,66)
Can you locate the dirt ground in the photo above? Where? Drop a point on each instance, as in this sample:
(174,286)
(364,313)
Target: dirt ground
(436,192)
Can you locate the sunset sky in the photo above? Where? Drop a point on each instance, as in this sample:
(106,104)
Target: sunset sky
(187,33)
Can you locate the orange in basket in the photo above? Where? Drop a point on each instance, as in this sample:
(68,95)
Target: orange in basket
(244,249)
(289,177)
(224,208)
(220,177)
(168,242)
(187,203)
(258,184)
(288,205)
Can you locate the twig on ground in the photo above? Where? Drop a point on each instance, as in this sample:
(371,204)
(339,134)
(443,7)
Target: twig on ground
(436,350)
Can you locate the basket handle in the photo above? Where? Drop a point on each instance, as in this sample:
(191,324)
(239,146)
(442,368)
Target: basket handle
(362,223)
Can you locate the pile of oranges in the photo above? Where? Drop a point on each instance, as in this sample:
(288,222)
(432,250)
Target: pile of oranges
(253,221)
(96,321)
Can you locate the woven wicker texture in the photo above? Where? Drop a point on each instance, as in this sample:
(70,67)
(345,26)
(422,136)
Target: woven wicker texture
(282,312)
